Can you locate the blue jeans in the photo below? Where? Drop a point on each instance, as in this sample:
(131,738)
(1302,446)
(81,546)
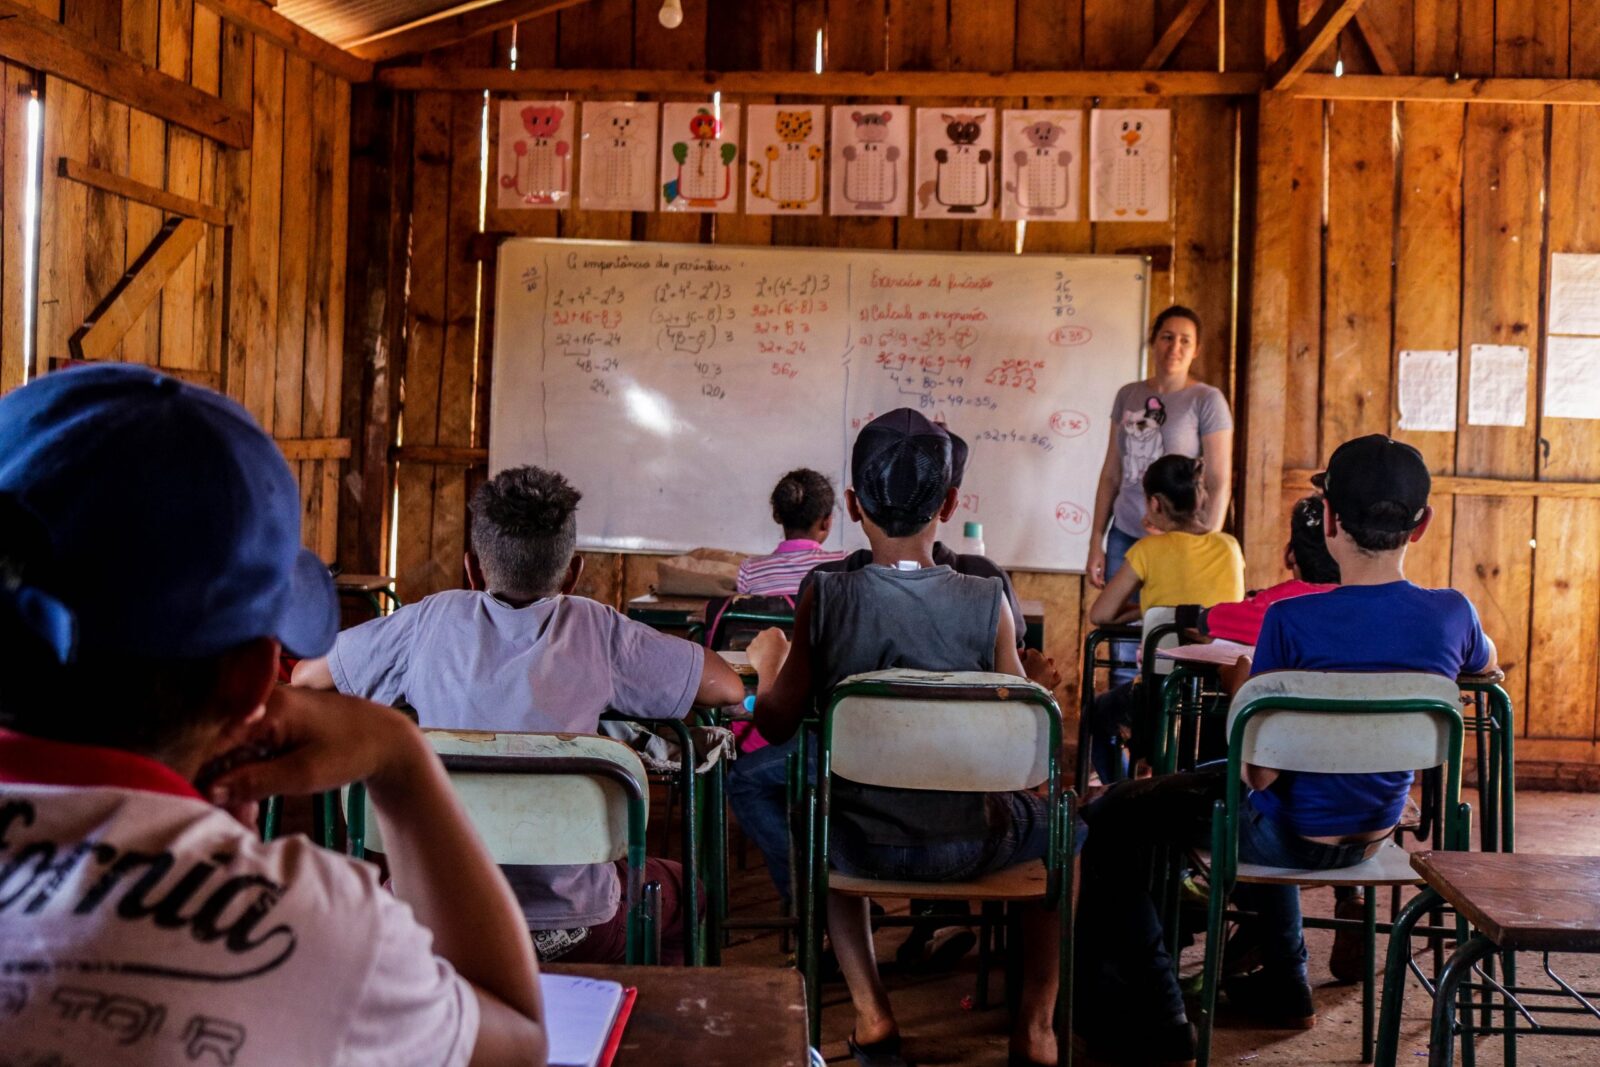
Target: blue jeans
(1125,972)
(1117,545)
(758,793)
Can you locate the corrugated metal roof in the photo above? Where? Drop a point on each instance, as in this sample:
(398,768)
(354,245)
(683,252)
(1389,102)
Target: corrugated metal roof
(344,22)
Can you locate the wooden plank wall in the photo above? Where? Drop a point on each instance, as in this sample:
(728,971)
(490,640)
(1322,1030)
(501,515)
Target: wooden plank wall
(258,305)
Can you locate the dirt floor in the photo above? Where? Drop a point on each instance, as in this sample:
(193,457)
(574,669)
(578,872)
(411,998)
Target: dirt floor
(941,1026)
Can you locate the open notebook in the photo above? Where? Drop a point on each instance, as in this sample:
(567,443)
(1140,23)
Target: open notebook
(585,1016)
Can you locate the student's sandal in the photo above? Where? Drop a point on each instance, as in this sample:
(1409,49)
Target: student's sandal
(885,1053)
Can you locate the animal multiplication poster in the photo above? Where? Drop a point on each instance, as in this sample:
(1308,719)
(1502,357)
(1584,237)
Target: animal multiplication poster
(871,160)
(784,155)
(700,157)
(618,171)
(1130,165)
(955,163)
(1041,165)
(535,154)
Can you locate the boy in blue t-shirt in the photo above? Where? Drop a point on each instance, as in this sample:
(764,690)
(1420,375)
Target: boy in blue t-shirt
(1375,494)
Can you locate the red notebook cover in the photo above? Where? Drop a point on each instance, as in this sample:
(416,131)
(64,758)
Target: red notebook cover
(614,1042)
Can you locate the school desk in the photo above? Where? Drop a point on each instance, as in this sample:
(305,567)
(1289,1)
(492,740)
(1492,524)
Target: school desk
(368,587)
(708,1016)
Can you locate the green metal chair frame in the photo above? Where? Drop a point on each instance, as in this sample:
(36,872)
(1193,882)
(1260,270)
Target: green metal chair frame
(1092,661)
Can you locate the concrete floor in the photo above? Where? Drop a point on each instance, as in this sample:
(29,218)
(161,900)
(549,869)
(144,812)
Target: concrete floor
(941,1027)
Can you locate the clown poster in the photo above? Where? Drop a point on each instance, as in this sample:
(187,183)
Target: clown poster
(1041,165)
(535,153)
(783,159)
(699,157)
(871,164)
(618,156)
(955,163)
(1130,165)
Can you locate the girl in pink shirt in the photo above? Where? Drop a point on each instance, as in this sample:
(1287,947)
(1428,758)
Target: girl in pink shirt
(802,503)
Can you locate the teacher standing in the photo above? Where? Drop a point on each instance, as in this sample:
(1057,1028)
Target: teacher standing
(1166,413)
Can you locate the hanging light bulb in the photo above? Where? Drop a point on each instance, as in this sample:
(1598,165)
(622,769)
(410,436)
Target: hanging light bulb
(671,15)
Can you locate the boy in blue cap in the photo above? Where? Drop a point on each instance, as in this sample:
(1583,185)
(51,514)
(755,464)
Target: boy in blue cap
(150,573)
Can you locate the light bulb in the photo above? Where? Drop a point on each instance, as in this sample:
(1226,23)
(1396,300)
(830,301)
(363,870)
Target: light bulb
(671,15)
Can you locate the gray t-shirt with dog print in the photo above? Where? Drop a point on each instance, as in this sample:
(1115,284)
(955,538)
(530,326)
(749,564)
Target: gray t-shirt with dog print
(1151,425)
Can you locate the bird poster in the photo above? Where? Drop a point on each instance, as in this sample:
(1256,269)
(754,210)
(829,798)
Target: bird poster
(955,163)
(871,159)
(618,156)
(535,154)
(784,153)
(1130,165)
(699,157)
(1041,165)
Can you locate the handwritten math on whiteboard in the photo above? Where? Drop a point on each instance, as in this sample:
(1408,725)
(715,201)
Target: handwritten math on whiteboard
(674,384)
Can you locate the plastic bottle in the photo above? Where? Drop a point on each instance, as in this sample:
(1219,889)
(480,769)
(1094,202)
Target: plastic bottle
(972,539)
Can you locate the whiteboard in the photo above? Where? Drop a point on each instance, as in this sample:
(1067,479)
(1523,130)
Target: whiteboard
(674,384)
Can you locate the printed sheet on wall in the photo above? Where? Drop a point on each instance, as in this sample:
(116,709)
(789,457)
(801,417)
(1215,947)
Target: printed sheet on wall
(674,384)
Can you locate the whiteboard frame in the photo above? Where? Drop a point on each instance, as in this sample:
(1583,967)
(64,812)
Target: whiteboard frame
(645,546)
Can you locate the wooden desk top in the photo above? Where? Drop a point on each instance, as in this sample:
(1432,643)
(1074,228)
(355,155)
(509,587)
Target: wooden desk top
(740,662)
(1032,610)
(708,1016)
(362,583)
(1521,901)
(1493,676)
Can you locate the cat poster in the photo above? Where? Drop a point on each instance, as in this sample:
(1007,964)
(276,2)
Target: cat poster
(535,154)
(955,163)
(699,157)
(618,171)
(871,160)
(1130,165)
(1041,165)
(783,159)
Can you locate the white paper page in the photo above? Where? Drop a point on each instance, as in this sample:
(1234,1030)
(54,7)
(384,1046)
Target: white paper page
(1219,652)
(579,1013)
(1572,378)
(1574,293)
(1497,390)
(1428,390)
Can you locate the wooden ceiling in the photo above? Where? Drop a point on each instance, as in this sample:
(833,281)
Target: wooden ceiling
(377,30)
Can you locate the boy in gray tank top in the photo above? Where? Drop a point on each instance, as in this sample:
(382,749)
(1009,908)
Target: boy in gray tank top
(902,610)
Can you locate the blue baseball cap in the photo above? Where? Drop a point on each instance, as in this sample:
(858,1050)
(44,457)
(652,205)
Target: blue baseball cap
(168,522)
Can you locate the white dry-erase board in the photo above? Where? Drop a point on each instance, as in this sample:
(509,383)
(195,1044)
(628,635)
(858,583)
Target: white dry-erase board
(674,384)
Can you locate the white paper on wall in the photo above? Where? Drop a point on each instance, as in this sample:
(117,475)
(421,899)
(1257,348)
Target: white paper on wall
(1574,293)
(535,154)
(1497,386)
(1428,390)
(618,171)
(700,157)
(1041,164)
(1130,165)
(1572,378)
(955,163)
(871,160)
(784,150)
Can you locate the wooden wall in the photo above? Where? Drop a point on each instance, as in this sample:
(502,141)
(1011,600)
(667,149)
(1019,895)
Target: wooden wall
(257,308)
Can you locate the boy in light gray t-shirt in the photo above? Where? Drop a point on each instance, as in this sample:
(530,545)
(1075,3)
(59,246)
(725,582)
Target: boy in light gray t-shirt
(519,653)
(1152,425)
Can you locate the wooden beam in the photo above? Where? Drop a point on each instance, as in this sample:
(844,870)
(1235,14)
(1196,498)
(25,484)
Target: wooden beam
(1419,89)
(831,84)
(261,20)
(1454,485)
(452,26)
(46,45)
(98,336)
(1317,35)
(297,449)
(1174,34)
(443,455)
(118,185)
(1377,48)
(208,378)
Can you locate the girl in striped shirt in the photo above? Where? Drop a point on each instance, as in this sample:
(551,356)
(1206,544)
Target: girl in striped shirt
(802,503)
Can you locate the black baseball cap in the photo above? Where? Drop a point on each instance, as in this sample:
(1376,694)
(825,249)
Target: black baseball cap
(958,458)
(900,467)
(1373,470)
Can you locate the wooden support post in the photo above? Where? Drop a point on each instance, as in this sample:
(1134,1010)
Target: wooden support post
(266,23)
(97,338)
(118,185)
(1174,34)
(1377,48)
(1318,34)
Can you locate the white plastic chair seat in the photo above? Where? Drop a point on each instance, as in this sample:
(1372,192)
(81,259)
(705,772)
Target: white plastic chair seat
(1025,881)
(1390,865)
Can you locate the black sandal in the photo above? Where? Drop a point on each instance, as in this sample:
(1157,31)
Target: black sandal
(885,1053)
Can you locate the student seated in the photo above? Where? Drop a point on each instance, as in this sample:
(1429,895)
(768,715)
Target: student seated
(1130,1008)
(1184,562)
(150,573)
(518,652)
(905,610)
(802,503)
(1311,570)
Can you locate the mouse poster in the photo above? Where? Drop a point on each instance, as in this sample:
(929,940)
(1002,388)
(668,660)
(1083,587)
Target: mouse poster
(1041,165)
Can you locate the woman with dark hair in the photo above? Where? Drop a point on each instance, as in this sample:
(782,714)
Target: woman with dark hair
(1168,413)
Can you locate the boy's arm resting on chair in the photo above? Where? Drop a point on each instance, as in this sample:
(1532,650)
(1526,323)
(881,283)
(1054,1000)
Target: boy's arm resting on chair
(719,684)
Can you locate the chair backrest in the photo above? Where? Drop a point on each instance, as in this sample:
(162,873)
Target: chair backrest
(963,731)
(1153,618)
(1347,722)
(542,799)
